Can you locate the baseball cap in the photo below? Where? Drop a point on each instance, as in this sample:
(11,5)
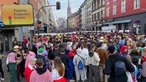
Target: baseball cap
(140,48)
(101,41)
(32,58)
(40,50)
(15,47)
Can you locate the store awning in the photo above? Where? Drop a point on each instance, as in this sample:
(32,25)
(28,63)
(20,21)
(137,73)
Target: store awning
(117,22)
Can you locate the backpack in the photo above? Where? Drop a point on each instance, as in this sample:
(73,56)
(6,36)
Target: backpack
(80,64)
(120,68)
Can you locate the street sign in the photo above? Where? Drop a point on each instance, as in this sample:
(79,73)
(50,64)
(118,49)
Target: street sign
(17,14)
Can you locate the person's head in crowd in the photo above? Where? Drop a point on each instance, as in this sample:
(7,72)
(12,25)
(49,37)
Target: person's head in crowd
(74,47)
(44,46)
(15,38)
(144,52)
(63,45)
(20,46)
(134,52)
(124,50)
(84,45)
(40,51)
(123,37)
(32,60)
(92,49)
(28,38)
(56,46)
(116,41)
(111,50)
(16,48)
(140,50)
(101,44)
(58,65)
(62,50)
(110,43)
(128,57)
(139,44)
(79,45)
(133,46)
(40,63)
(82,39)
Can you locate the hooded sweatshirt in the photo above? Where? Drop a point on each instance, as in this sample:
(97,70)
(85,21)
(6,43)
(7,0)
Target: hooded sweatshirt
(28,56)
(41,75)
(93,59)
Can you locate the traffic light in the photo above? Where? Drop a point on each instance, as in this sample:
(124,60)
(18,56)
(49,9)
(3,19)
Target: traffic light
(58,5)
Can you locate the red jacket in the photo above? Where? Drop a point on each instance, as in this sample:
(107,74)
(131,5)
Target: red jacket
(61,80)
(143,59)
(27,73)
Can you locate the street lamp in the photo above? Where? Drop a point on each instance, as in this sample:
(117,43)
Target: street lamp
(58,7)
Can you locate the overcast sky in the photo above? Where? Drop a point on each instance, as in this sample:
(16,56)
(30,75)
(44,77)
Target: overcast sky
(62,13)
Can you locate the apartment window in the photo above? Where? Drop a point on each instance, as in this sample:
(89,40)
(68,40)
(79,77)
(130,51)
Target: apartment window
(107,11)
(92,6)
(114,9)
(101,13)
(92,18)
(98,15)
(136,4)
(107,3)
(123,6)
(95,17)
(102,2)
(99,3)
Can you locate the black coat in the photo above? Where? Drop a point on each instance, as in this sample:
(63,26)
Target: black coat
(109,68)
(135,59)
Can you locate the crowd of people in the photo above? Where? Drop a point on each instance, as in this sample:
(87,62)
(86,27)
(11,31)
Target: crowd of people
(85,57)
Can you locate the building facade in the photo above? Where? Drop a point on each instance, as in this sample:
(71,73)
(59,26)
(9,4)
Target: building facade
(98,13)
(78,20)
(83,16)
(86,17)
(126,15)
(7,33)
(72,22)
(75,21)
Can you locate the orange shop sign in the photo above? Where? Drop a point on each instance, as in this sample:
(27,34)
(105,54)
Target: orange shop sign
(17,14)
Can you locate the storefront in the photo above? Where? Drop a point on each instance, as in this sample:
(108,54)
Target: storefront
(120,25)
(136,23)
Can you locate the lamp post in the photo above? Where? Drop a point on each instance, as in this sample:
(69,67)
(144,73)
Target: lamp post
(58,6)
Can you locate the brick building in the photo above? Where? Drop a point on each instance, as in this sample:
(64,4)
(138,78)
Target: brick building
(75,20)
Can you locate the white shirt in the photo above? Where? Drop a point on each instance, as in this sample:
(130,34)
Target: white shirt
(55,75)
(30,67)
